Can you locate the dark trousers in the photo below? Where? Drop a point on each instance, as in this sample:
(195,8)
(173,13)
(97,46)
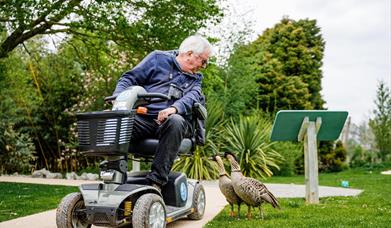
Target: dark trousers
(170,134)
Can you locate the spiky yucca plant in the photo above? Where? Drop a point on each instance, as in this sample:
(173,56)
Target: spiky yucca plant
(199,166)
(249,140)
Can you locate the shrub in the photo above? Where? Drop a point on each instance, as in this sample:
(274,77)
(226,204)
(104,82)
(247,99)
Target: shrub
(18,152)
(333,159)
(362,157)
(290,152)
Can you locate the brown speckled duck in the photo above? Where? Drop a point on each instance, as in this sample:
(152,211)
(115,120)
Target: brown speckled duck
(251,191)
(225,185)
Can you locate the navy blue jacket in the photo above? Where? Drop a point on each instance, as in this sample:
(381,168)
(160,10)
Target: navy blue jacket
(155,73)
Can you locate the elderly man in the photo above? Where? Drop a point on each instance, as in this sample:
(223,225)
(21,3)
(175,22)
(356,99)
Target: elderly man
(173,73)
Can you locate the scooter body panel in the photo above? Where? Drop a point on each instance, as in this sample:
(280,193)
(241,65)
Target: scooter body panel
(103,201)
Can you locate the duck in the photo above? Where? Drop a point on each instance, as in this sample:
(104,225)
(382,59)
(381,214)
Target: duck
(226,188)
(253,192)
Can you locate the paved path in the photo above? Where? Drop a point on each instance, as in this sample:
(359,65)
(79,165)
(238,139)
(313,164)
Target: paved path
(388,172)
(215,201)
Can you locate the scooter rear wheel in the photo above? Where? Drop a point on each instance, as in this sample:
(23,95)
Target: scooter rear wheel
(199,202)
(69,215)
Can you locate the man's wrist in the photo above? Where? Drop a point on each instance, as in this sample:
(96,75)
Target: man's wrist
(176,110)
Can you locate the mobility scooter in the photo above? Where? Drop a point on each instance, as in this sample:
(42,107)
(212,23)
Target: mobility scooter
(125,198)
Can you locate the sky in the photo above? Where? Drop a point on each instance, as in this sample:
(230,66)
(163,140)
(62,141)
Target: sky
(358,44)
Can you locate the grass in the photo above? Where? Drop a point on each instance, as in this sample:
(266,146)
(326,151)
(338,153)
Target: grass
(17,200)
(372,208)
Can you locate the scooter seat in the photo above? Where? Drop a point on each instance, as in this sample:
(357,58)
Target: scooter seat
(147,147)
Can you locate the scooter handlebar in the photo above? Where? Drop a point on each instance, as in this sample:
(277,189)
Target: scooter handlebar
(153,95)
(148,97)
(110,98)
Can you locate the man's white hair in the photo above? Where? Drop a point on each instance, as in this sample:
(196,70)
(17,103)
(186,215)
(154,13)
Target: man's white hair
(197,44)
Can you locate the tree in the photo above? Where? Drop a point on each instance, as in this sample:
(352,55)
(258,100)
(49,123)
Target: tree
(138,25)
(285,62)
(240,89)
(299,46)
(381,123)
(361,146)
(17,152)
(41,89)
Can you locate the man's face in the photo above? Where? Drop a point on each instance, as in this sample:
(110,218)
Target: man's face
(197,61)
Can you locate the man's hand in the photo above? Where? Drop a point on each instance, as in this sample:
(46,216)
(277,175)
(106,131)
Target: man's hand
(165,113)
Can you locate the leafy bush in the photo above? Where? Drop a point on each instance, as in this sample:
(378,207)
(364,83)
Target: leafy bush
(362,157)
(18,152)
(290,152)
(333,160)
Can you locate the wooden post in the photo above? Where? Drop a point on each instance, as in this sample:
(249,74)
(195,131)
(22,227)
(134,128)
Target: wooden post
(307,133)
(312,188)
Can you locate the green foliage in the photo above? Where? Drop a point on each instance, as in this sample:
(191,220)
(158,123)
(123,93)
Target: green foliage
(381,123)
(199,166)
(137,25)
(41,90)
(332,159)
(213,83)
(285,61)
(361,148)
(361,157)
(299,46)
(101,65)
(16,151)
(248,138)
(340,154)
(233,87)
(230,82)
(58,82)
(214,125)
(325,151)
(290,152)
(241,88)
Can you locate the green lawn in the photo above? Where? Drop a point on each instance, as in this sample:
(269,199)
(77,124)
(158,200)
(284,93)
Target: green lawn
(372,208)
(17,200)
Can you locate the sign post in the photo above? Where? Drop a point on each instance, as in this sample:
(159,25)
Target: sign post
(309,126)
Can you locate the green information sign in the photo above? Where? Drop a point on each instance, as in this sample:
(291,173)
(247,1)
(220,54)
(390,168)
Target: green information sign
(309,126)
(287,124)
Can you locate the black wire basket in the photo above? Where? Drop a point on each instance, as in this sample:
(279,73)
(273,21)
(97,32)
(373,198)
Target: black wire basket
(105,133)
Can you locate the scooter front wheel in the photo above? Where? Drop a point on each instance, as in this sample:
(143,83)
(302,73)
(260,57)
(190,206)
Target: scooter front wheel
(70,213)
(149,212)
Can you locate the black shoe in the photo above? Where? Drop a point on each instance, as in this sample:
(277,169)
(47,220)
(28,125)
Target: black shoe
(154,184)
(158,187)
